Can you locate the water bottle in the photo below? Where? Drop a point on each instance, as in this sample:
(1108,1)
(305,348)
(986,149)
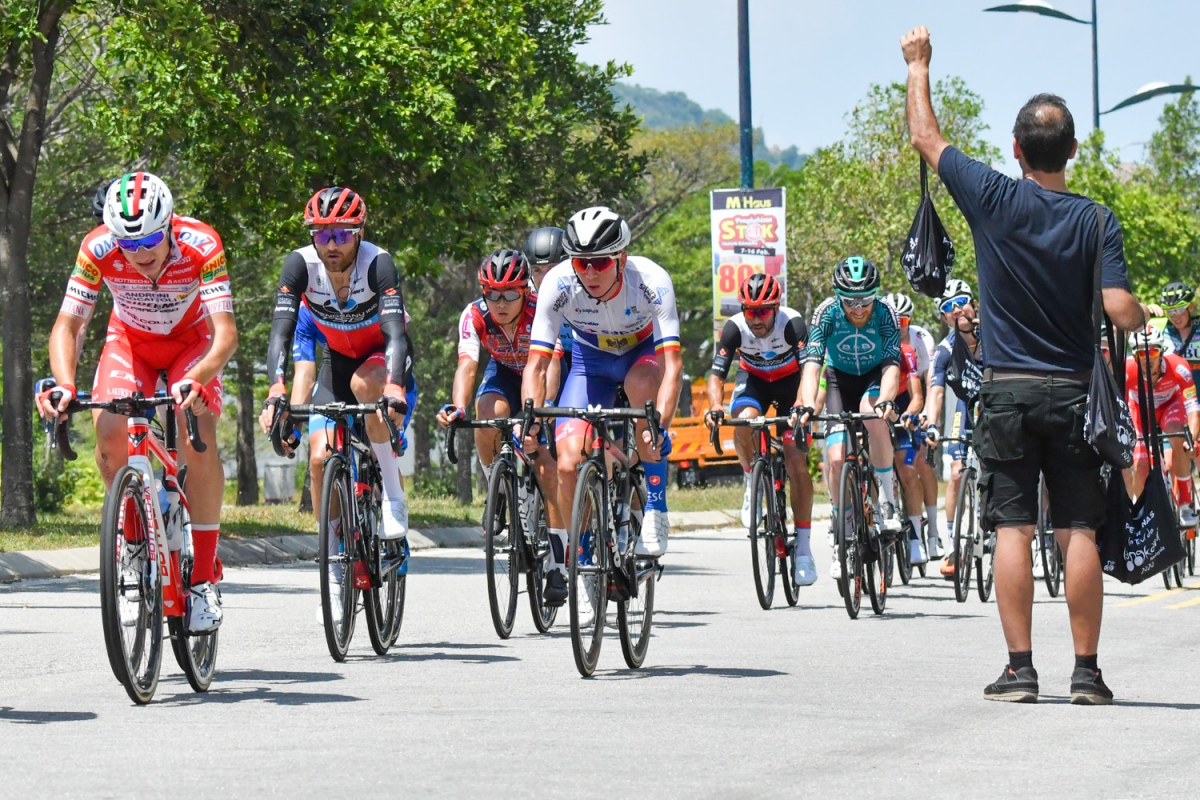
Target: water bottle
(172,518)
(622,512)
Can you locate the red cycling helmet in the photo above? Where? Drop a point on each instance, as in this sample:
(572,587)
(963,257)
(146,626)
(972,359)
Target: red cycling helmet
(335,206)
(504,269)
(760,290)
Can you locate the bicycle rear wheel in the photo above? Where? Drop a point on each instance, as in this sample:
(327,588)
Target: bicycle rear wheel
(904,565)
(384,604)
(635,616)
(537,540)
(196,653)
(587,583)
(1047,543)
(964,535)
(131,609)
(336,558)
(878,568)
(1190,544)
(985,565)
(848,524)
(762,534)
(502,541)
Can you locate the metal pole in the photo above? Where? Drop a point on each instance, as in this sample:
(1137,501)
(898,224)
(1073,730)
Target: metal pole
(1095,71)
(747,127)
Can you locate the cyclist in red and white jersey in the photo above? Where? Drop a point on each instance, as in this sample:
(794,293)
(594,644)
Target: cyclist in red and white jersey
(352,289)
(621,310)
(172,312)
(1175,407)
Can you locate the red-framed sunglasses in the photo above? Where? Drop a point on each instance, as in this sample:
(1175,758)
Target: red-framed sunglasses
(762,312)
(594,263)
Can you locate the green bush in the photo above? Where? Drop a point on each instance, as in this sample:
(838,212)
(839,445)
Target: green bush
(437,481)
(53,482)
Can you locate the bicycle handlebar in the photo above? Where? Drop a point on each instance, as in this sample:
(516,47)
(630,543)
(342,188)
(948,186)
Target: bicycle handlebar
(125,406)
(598,416)
(714,436)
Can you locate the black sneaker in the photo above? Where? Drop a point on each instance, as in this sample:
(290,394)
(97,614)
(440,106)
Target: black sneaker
(1014,686)
(1089,689)
(556,589)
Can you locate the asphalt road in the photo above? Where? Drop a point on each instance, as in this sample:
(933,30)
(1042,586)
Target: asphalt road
(733,701)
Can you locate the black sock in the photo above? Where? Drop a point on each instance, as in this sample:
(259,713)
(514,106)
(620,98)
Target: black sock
(1086,661)
(1022,659)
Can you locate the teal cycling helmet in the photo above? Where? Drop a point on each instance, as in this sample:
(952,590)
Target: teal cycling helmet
(855,277)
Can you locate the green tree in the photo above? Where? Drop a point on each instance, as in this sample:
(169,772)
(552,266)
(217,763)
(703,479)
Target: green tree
(1174,151)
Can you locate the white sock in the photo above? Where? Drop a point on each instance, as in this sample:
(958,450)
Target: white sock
(487,472)
(916,523)
(389,471)
(931,515)
(557,562)
(803,546)
(887,490)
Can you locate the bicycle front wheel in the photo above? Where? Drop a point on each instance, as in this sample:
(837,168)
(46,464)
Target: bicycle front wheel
(904,565)
(985,565)
(502,538)
(964,535)
(848,524)
(762,534)
(336,558)
(537,541)
(131,609)
(587,569)
(1047,543)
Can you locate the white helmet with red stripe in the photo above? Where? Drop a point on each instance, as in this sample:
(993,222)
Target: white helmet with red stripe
(138,204)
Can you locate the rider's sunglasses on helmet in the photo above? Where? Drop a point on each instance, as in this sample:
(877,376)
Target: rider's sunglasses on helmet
(148,242)
(762,312)
(340,236)
(954,304)
(493,296)
(596,263)
(858,302)
(1178,308)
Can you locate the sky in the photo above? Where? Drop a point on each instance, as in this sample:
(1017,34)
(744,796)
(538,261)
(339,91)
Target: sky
(811,62)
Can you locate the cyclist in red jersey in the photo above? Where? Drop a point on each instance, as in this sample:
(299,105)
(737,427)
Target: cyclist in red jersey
(172,312)
(1175,407)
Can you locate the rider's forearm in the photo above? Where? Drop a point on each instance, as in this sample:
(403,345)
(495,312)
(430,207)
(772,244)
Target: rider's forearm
(917,397)
(304,381)
(464,382)
(533,379)
(554,377)
(64,350)
(809,383)
(716,392)
(889,383)
(933,408)
(668,392)
(222,347)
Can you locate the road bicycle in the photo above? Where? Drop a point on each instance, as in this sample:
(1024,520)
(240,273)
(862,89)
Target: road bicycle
(974,547)
(516,539)
(1186,565)
(770,542)
(606,523)
(146,550)
(864,552)
(921,438)
(1051,553)
(352,557)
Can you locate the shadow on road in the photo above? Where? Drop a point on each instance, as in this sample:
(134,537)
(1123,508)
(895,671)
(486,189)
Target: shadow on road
(261,693)
(274,676)
(405,653)
(9,714)
(683,671)
(1062,700)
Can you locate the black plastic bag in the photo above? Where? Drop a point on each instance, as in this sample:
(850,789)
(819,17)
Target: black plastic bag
(929,255)
(963,373)
(1138,540)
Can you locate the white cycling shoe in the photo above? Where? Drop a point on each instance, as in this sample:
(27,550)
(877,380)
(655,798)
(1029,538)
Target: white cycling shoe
(891,517)
(916,551)
(746,504)
(205,614)
(653,539)
(395,518)
(935,550)
(1187,515)
(805,573)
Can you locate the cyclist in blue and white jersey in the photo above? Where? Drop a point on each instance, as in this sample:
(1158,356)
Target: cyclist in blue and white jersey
(859,340)
(621,310)
(957,307)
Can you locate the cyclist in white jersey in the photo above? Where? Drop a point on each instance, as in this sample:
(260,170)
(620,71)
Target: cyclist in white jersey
(621,310)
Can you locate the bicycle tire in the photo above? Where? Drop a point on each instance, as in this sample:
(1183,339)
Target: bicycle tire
(135,663)
(502,542)
(964,534)
(922,569)
(1179,568)
(985,567)
(384,604)
(1190,544)
(336,487)
(538,541)
(904,565)
(848,538)
(1048,544)
(877,568)
(762,536)
(787,566)
(635,615)
(588,516)
(196,653)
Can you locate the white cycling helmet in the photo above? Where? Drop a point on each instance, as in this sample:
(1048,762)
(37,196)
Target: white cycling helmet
(900,302)
(596,231)
(956,288)
(1152,336)
(138,204)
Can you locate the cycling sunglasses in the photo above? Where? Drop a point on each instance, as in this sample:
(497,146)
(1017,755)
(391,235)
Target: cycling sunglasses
(1148,352)
(763,312)
(147,242)
(1178,309)
(858,302)
(596,263)
(510,296)
(324,236)
(953,304)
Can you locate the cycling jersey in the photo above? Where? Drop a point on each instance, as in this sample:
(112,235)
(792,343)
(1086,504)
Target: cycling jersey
(908,367)
(922,344)
(1174,384)
(833,338)
(771,358)
(643,308)
(477,327)
(370,320)
(192,285)
(1189,350)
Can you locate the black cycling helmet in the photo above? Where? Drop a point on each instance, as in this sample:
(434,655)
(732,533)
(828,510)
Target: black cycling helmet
(1177,294)
(855,276)
(99,199)
(544,246)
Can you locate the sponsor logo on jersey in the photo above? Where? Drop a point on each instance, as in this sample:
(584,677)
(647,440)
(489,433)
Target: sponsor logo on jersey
(85,270)
(856,345)
(200,241)
(214,270)
(103,246)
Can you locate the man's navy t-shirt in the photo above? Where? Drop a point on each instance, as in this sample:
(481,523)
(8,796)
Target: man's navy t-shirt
(1035,250)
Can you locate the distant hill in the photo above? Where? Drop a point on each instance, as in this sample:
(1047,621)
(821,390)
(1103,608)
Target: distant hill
(664,110)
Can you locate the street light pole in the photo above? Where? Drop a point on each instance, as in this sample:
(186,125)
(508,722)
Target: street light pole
(745,124)
(1095,71)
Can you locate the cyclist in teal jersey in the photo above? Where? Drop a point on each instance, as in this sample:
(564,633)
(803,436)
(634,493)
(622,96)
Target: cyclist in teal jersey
(858,338)
(1183,334)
